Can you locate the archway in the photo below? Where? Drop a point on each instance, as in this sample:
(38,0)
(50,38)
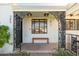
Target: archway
(59,15)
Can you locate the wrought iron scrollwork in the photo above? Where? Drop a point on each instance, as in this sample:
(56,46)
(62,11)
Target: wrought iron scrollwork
(74,43)
(60,16)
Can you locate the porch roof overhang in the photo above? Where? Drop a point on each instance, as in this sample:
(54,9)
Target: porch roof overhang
(38,8)
(22,10)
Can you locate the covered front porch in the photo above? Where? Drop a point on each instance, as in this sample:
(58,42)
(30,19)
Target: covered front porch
(48,40)
(40,30)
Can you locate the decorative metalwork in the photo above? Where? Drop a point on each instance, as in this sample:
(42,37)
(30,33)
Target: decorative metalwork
(74,43)
(17,31)
(60,16)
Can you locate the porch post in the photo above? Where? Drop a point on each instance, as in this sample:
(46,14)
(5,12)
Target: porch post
(63,29)
(60,16)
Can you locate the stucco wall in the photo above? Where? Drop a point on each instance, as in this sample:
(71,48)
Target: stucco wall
(52,33)
(6,18)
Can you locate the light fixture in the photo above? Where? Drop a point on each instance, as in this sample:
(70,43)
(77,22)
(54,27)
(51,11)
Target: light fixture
(29,14)
(71,14)
(46,14)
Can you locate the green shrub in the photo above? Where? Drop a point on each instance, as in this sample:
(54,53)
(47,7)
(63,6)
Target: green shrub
(62,52)
(4,35)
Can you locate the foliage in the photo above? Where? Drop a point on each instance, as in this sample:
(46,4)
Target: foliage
(62,52)
(4,35)
(22,54)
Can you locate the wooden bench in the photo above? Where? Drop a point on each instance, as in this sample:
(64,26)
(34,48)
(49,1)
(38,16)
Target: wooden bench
(33,39)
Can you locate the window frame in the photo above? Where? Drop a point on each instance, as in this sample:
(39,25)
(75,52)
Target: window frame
(39,26)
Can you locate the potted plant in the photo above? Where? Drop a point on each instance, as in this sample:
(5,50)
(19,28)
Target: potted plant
(4,35)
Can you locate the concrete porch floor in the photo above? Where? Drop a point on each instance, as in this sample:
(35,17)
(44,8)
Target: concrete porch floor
(39,49)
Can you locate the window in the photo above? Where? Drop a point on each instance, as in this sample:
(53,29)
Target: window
(72,24)
(39,26)
(78,24)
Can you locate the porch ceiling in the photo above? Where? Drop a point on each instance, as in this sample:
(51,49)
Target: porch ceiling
(35,14)
(74,10)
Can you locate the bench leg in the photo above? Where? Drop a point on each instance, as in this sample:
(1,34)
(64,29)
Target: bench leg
(33,41)
(47,41)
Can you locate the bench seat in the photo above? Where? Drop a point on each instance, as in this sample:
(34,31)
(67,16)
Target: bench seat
(33,39)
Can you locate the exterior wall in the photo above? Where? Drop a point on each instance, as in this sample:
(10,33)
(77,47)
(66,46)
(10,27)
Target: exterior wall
(6,18)
(52,33)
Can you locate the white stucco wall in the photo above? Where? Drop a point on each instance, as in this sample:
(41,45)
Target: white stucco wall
(5,16)
(52,33)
